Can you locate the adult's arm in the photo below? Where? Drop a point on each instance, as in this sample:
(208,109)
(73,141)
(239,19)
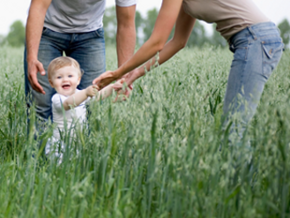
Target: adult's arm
(126,33)
(164,23)
(183,27)
(34,28)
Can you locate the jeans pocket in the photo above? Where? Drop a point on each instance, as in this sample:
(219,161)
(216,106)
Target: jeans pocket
(270,47)
(100,33)
(44,30)
(271,55)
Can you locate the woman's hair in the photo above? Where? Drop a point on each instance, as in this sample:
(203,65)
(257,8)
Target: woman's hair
(61,62)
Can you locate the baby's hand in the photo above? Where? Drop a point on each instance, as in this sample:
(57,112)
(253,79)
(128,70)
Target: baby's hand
(92,90)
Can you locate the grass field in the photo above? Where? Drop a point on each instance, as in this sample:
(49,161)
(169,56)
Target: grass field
(157,154)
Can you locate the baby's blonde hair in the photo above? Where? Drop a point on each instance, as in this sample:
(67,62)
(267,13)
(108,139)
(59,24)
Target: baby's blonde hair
(61,62)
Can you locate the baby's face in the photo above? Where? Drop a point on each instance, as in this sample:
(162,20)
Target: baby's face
(65,80)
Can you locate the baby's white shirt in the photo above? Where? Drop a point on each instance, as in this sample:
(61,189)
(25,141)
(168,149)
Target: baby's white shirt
(76,115)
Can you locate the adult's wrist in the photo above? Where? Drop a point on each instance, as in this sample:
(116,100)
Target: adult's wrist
(137,74)
(140,72)
(31,58)
(117,74)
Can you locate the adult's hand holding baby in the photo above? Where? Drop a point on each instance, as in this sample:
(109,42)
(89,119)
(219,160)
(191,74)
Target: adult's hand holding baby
(105,79)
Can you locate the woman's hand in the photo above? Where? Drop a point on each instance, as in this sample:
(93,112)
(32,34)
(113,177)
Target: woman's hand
(130,77)
(123,90)
(105,79)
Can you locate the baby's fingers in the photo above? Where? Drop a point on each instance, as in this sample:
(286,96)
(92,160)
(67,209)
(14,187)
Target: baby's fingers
(95,87)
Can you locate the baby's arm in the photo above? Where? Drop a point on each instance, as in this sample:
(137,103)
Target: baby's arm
(79,97)
(105,92)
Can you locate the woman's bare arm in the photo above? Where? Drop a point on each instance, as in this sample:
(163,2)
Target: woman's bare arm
(183,28)
(164,23)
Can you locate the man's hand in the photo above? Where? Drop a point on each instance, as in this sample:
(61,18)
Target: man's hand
(33,68)
(92,90)
(104,79)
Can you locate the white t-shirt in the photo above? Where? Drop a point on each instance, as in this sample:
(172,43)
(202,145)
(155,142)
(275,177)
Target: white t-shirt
(73,117)
(78,16)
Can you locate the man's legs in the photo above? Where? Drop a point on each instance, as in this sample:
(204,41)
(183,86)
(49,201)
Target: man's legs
(89,50)
(51,46)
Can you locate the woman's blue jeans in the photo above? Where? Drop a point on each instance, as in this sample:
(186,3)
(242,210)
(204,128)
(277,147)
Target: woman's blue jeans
(87,48)
(257,51)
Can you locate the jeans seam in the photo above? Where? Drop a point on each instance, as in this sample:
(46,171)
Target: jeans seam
(97,33)
(247,49)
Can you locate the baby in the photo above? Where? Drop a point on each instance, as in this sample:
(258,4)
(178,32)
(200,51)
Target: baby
(69,103)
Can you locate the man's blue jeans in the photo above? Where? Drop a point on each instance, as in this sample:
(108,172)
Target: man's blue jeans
(257,51)
(87,48)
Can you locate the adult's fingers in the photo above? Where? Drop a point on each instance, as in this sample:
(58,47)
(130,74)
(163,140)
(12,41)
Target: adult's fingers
(117,86)
(95,87)
(40,68)
(33,68)
(104,79)
(34,83)
(102,82)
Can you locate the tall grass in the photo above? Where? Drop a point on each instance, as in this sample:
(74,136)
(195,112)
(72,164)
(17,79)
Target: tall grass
(161,153)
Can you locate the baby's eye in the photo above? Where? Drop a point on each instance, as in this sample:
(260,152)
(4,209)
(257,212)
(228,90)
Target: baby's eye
(70,76)
(59,77)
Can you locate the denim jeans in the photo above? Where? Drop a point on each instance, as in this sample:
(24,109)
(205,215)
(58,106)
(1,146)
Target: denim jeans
(87,48)
(257,51)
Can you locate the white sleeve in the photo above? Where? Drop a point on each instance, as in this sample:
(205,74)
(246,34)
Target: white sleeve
(125,3)
(57,101)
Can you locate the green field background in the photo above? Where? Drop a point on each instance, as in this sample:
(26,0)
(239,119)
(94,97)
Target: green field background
(161,153)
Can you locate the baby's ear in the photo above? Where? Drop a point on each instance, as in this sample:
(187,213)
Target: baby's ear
(50,82)
(79,80)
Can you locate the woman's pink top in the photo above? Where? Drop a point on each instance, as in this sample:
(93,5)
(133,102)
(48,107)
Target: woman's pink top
(231,16)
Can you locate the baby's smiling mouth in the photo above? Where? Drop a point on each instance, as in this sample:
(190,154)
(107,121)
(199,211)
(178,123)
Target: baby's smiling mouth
(65,86)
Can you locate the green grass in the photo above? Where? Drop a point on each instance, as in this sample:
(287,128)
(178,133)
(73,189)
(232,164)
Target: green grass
(155,155)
